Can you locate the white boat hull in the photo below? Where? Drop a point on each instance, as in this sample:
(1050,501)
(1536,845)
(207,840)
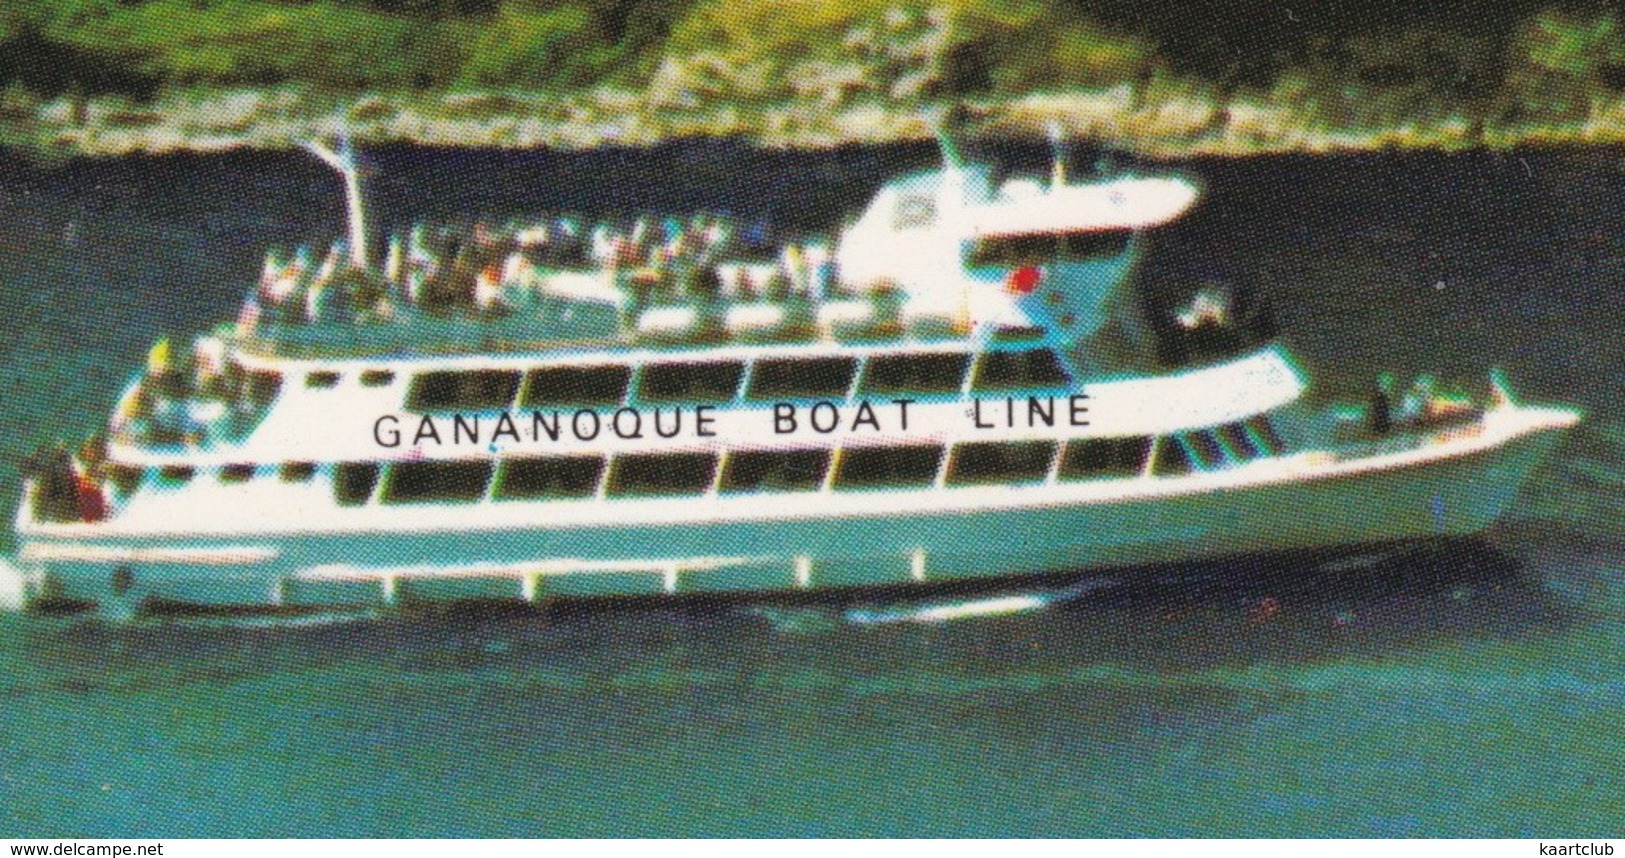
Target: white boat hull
(1449,488)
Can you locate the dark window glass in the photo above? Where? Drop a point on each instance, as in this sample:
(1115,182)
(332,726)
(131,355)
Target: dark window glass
(424,482)
(1206,448)
(175,474)
(919,373)
(1015,250)
(298,472)
(690,382)
(125,478)
(1264,432)
(662,474)
(322,379)
(802,378)
(549,477)
(1172,459)
(353,482)
(1038,249)
(999,462)
(1092,458)
(1241,445)
(1022,334)
(478,390)
(576,385)
(873,467)
(263,386)
(775,470)
(1023,369)
(1094,245)
(236,473)
(377,378)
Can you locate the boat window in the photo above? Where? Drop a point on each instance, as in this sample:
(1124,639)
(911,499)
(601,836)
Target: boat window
(1205,449)
(125,479)
(236,473)
(796,378)
(175,475)
(1094,244)
(1000,462)
(262,387)
(1239,443)
(322,379)
(716,381)
(1093,458)
(1017,333)
(1018,370)
(916,373)
(576,385)
(1263,432)
(549,477)
(353,482)
(1172,458)
(1016,250)
(377,378)
(427,482)
(449,390)
(775,470)
(298,472)
(662,474)
(888,467)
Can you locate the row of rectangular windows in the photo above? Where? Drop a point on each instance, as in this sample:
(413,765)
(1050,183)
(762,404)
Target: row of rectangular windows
(718,381)
(978,463)
(693,473)
(655,474)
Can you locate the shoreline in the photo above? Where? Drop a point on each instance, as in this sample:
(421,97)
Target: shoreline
(1180,124)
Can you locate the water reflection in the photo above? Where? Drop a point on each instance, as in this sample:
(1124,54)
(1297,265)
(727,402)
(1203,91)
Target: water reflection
(1168,620)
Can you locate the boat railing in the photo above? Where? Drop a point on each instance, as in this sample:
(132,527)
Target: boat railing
(540,322)
(532,319)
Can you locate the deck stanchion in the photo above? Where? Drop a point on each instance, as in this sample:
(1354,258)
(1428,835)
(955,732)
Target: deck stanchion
(527,587)
(803,571)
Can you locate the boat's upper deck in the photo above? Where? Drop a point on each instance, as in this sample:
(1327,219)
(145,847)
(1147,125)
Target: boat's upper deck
(571,311)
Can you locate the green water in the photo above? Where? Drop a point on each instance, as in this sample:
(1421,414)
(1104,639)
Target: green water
(1489,709)
(1458,691)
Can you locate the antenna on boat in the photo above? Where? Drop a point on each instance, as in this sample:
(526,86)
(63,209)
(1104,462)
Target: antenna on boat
(1057,155)
(951,159)
(343,160)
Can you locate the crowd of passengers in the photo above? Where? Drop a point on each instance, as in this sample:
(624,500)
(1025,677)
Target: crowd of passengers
(186,395)
(483,271)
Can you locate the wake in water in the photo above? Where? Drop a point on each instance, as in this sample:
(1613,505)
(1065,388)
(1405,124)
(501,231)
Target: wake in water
(917,612)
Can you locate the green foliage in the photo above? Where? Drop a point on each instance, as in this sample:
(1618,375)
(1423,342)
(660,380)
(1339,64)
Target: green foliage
(536,47)
(1410,53)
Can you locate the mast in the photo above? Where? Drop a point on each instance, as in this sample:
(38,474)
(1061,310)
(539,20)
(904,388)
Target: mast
(344,162)
(1057,150)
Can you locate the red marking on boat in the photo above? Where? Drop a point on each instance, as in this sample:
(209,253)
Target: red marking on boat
(1024,280)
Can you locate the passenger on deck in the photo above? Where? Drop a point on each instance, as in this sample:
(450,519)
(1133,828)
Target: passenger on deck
(489,292)
(56,496)
(1379,411)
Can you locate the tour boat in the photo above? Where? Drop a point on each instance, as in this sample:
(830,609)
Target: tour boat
(970,385)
